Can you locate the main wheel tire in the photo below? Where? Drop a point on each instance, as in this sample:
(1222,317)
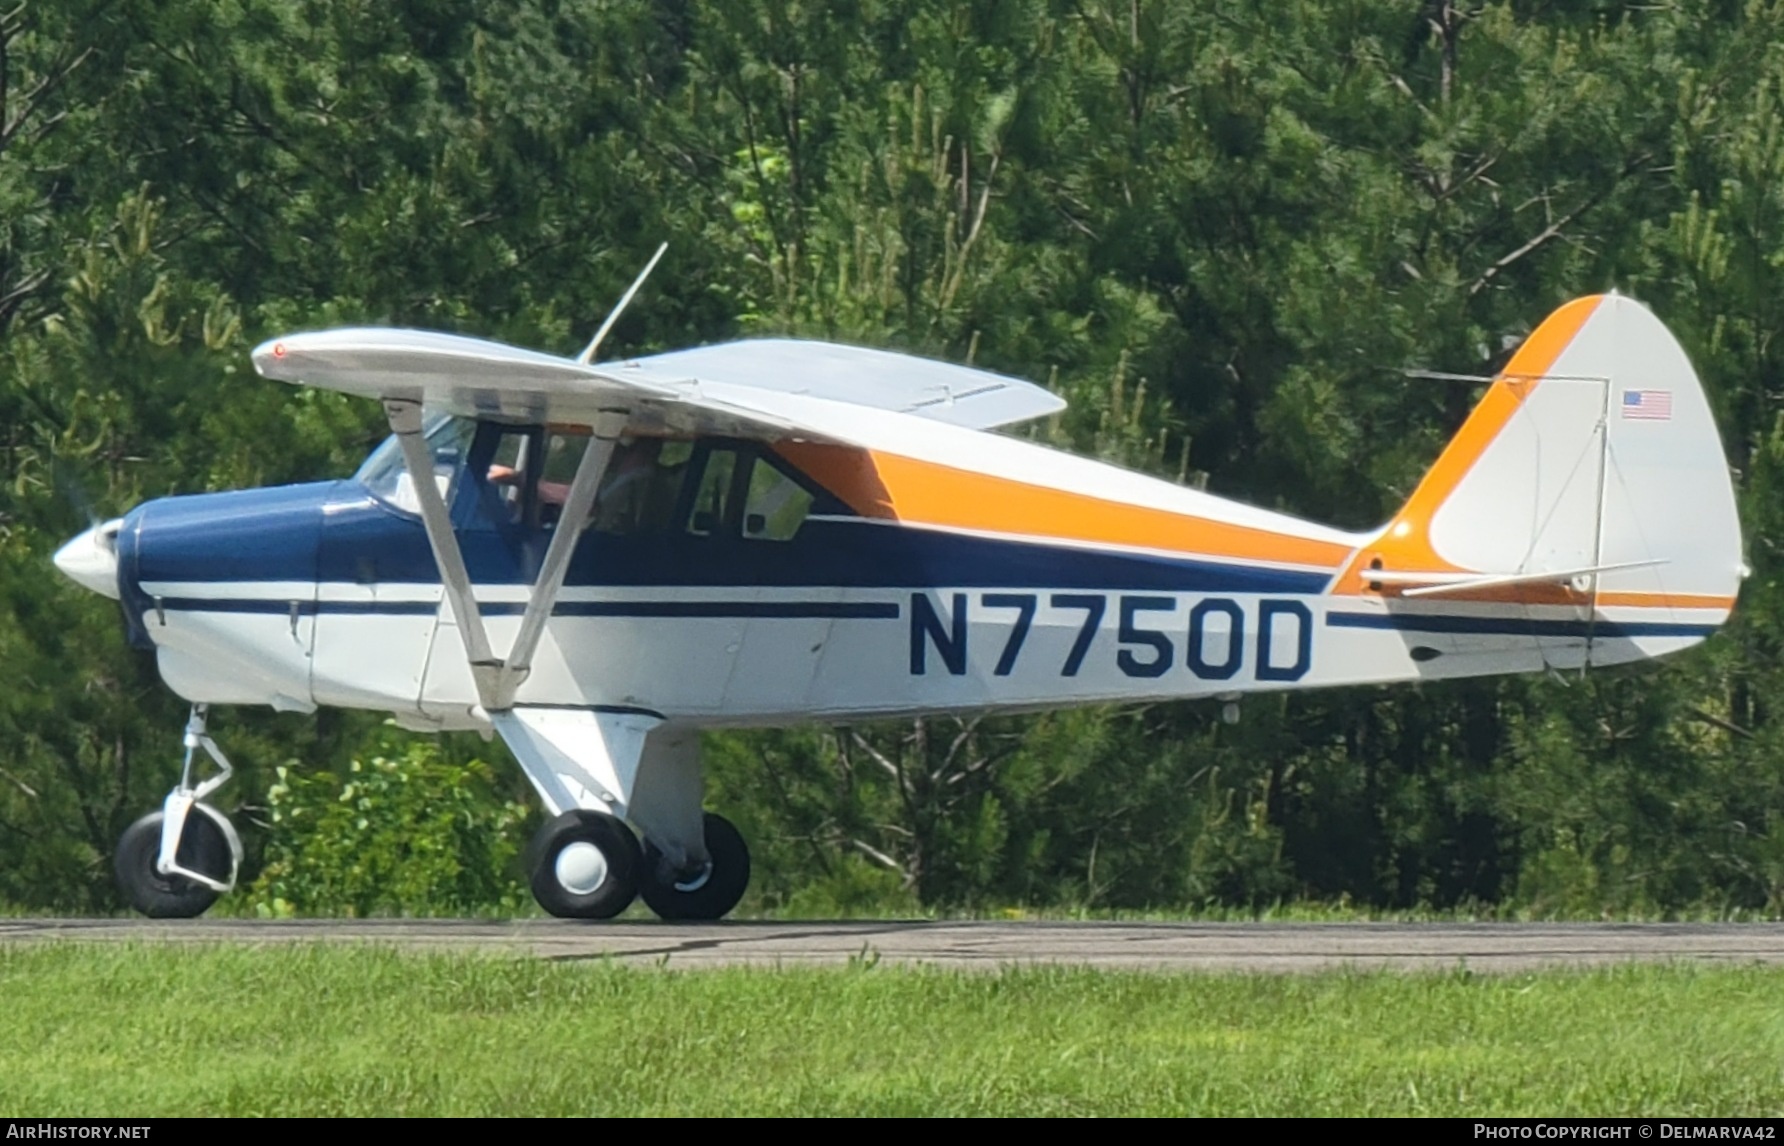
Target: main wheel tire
(709,894)
(203,848)
(584,865)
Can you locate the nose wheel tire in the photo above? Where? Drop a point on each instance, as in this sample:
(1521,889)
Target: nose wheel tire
(708,893)
(584,865)
(203,849)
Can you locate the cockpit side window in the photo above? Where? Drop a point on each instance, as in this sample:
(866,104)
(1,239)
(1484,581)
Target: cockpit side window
(507,475)
(385,475)
(642,486)
(525,474)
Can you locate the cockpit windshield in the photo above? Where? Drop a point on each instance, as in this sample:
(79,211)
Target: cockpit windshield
(385,475)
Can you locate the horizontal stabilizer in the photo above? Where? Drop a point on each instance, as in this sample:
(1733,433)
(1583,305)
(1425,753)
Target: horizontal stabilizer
(1438,584)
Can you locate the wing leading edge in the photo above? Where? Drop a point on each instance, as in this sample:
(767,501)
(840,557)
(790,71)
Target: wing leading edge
(734,388)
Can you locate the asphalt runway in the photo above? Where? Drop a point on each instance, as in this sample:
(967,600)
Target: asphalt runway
(1275,947)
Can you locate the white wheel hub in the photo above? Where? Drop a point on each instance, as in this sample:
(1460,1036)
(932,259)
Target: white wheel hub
(581,868)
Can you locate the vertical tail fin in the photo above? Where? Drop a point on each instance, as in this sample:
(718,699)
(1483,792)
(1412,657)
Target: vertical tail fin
(1593,457)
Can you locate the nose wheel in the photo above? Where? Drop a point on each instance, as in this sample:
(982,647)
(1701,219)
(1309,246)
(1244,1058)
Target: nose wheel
(584,865)
(175,862)
(203,849)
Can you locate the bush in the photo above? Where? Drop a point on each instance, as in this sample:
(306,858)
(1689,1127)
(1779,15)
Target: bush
(406,833)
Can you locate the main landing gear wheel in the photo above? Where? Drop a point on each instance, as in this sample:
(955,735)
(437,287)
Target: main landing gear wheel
(203,849)
(585,865)
(708,893)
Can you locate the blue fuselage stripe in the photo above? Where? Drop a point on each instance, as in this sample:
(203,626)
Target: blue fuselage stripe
(237,605)
(869,610)
(1514,626)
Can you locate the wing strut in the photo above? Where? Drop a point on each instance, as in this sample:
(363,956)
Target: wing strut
(405,423)
(571,522)
(497,678)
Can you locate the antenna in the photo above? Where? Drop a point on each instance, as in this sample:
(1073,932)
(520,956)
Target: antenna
(588,354)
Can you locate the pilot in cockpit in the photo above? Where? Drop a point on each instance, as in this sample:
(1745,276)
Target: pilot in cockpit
(637,494)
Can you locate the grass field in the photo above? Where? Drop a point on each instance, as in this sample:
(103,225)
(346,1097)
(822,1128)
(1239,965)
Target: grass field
(147,1030)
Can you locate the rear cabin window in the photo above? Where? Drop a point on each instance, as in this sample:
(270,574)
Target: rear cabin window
(715,503)
(777,505)
(744,493)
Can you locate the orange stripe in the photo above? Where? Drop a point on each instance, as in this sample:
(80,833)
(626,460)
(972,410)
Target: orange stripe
(846,471)
(941,495)
(1406,545)
(890,486)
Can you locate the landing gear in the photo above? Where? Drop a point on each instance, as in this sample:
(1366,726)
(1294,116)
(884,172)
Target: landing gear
(593,769)
(588,865)
(202,848)
(708,891)
(174,863)
(584,865)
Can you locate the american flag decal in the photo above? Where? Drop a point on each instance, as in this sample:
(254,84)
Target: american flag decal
(1648,405)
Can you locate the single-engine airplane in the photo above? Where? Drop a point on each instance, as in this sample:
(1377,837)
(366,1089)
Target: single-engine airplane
(598,560)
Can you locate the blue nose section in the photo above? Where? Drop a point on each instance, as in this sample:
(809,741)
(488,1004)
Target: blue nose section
(170,548)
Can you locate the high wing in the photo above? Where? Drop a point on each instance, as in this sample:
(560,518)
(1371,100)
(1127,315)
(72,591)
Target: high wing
(737,388)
